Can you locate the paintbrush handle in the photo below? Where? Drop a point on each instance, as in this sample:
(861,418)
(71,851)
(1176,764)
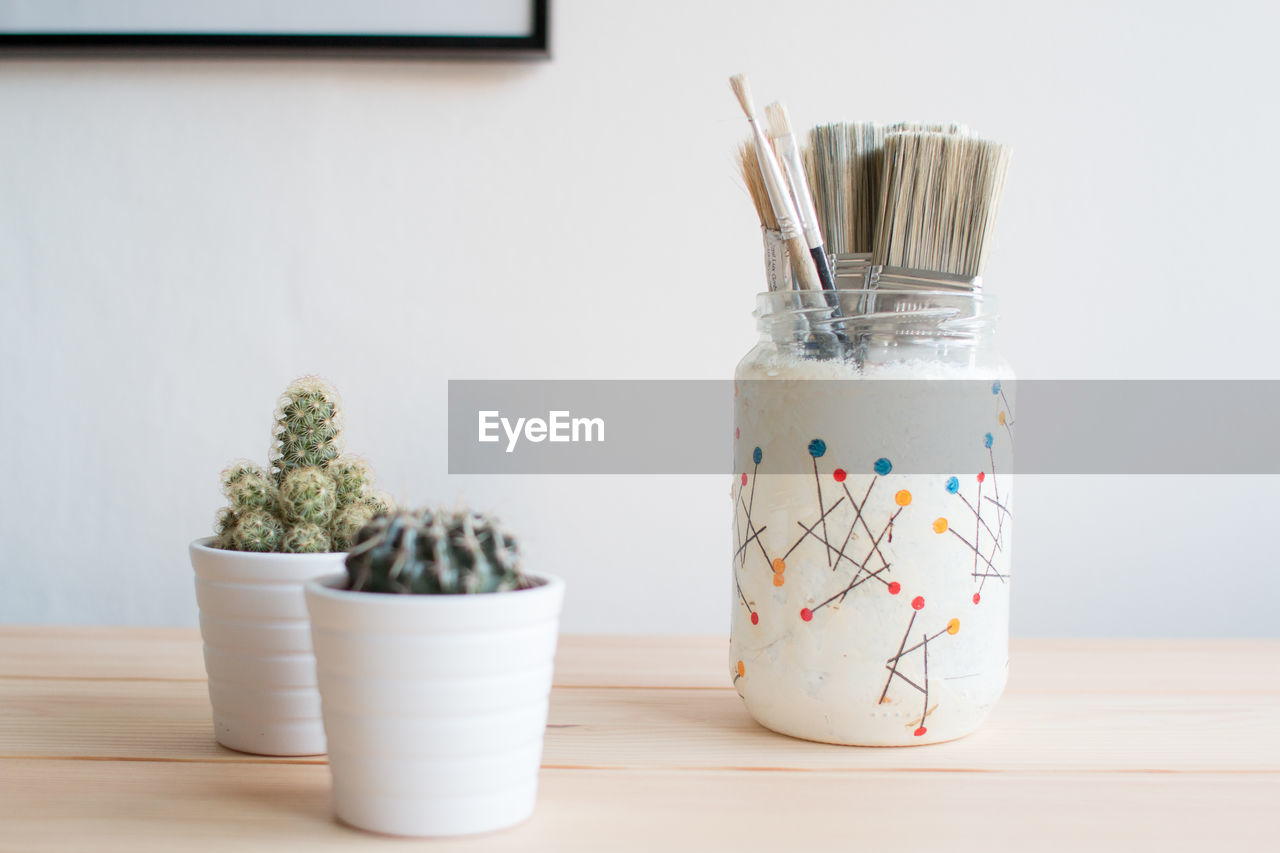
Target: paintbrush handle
(806,273)
(789,154)
(785,211)
(823,263)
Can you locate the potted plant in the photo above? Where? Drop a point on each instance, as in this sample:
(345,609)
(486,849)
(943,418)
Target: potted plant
(281,528)
(434,655)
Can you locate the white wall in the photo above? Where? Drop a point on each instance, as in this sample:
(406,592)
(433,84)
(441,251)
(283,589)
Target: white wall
(178,239)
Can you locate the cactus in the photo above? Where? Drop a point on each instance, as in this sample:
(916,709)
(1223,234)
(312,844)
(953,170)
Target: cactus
(257,530)
(308,427)
(308,495)
(434,552)
(224,523)
(314,498)
(380,502)
(248,487)
(305,538)
(353,479)
(347,523)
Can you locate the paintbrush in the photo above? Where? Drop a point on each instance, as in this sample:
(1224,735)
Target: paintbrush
(845,164)
(784,142)
(777,270)
(784,208)
(939,196)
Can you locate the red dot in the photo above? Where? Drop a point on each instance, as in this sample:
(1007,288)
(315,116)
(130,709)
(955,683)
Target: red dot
(755,618)
(920,731)
(839,474)
(737,432)
(976,598)
(918,602)
(894,587)
(982,475)
(744,479)
(806,614)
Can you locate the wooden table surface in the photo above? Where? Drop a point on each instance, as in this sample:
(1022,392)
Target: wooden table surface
(106,744)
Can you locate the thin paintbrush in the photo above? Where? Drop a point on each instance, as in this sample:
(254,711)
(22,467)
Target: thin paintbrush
(777,270)
(789,153)
(783,207)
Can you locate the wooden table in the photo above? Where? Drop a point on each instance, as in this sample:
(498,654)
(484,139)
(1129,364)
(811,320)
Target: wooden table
(106,744)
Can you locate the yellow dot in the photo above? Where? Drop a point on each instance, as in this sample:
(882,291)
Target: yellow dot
(779,579)
(742,670)
(902,498)
(953,627)
(939,525)
(1001,419)
(779,565)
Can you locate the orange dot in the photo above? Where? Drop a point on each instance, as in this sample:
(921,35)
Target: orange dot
(779,579)
(939,525)
(779,565)
(742,670)
(953,627)
(902,498)
(1001,419)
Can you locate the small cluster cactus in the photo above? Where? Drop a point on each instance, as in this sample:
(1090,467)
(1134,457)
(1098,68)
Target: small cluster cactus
(314,498)
(430,551)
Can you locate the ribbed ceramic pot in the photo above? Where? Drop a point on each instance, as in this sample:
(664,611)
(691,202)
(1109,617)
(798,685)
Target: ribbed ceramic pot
(434,705)
(257,647)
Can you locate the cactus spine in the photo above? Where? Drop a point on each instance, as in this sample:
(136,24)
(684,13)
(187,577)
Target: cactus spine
(314,498)
(430,551)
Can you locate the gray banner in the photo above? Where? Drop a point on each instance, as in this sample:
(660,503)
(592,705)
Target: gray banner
(923,426)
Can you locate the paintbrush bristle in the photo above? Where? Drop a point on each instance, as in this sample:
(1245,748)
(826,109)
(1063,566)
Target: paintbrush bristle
(844,161)
(954,128)
(749,163)
(779,119)
(939,197)
(742,92)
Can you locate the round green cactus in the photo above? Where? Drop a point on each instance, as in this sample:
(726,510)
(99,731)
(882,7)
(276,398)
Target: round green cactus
(353,478)
(257,530)
(347,523)
(308,494)
(434,552)
(253,490)
(237,471)
(224,523)
(306,538)
(380,502)
(308,427)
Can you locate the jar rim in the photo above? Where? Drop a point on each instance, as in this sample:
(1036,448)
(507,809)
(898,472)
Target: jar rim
(774,302)
(834,323)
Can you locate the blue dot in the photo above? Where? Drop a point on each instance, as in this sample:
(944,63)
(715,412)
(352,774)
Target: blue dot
(995,387)
(988,439)
(757,455)
(817,447)
(883,466)
(953,485)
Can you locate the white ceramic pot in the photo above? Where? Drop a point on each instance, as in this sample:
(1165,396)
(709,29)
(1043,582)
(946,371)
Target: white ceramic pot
(434,705)
(257,647)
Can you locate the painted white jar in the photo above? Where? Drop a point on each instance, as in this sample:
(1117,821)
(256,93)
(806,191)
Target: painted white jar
(257,647)
(872,517)
(435,706)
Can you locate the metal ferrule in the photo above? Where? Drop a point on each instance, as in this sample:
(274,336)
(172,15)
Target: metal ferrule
(856,272)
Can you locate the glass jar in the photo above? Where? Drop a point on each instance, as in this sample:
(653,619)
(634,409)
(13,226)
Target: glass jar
(872,518)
